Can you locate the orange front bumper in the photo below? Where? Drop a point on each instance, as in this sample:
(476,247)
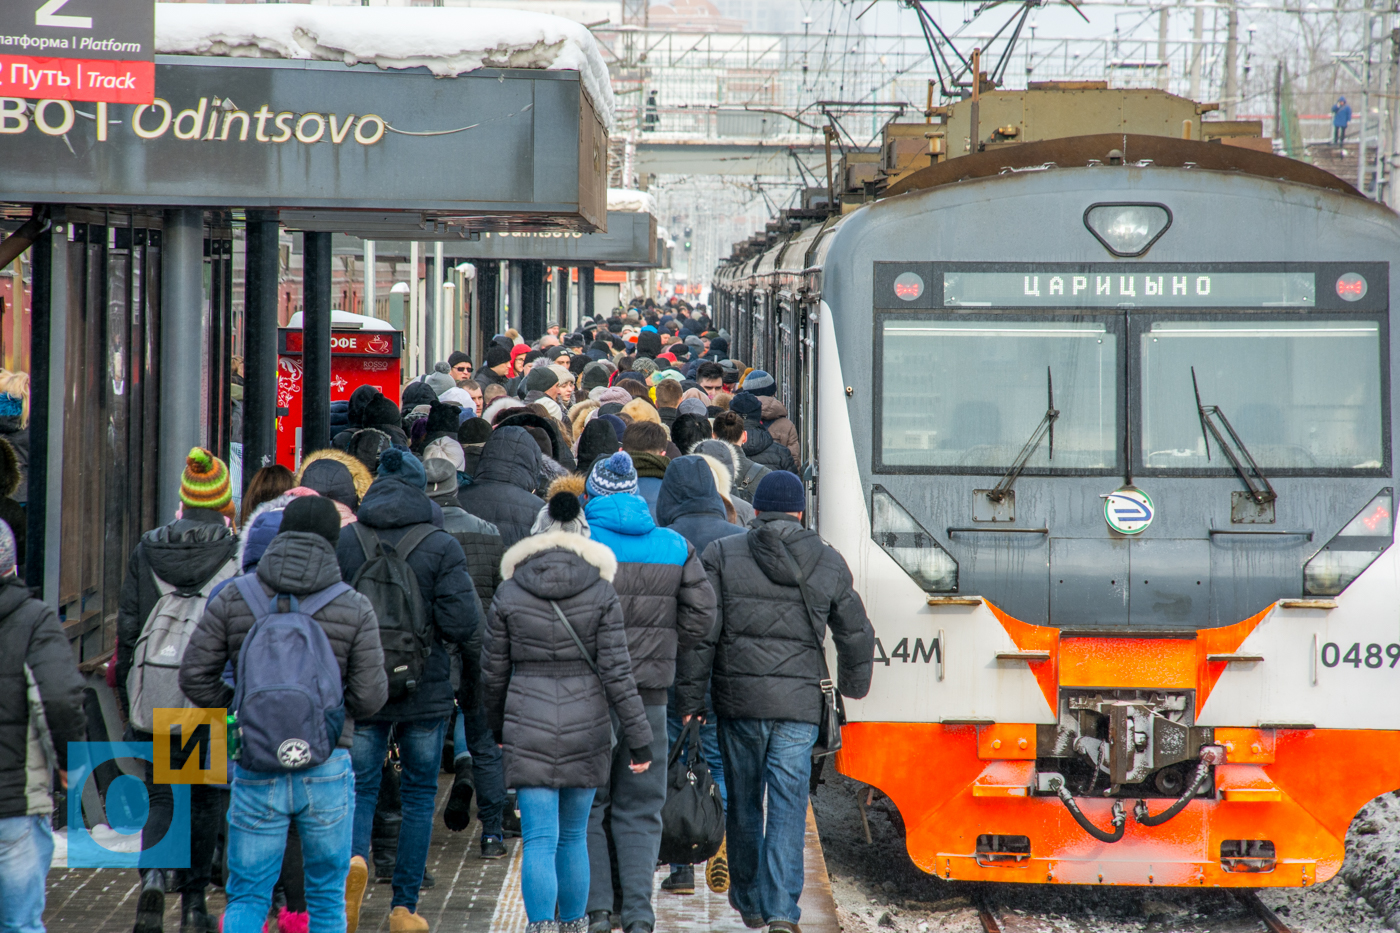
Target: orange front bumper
(1301,793)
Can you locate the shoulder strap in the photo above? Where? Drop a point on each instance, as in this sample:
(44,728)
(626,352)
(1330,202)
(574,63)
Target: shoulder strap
(253,595)
(577,641)
(414,537)
(369,541)
(750,473)
(315,602)
(796,569)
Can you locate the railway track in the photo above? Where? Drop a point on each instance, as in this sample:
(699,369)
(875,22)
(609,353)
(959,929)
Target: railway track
(997,918)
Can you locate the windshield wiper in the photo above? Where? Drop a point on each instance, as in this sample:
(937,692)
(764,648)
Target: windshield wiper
(1254,479)
(1046,426)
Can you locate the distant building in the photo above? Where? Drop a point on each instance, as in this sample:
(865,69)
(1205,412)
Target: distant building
(691,16)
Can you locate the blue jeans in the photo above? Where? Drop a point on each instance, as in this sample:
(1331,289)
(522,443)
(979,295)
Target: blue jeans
(554,869)
(26,849)
(320,800)
(420,756)
(765,860)
(471,734)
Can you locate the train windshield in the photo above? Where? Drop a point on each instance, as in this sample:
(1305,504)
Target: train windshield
(1302,394)
(968,394)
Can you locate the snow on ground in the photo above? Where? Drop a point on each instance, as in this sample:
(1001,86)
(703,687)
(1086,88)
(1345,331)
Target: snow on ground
(879,890)
(445,41)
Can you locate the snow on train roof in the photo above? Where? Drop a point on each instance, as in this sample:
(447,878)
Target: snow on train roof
(631,200)
(445,41)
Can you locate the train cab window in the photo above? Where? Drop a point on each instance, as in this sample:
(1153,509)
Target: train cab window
(968,395)
(1303,395)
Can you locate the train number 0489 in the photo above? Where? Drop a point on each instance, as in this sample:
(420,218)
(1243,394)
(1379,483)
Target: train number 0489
(1359,655)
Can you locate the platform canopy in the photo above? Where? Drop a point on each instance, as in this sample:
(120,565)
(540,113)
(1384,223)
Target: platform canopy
(483,119)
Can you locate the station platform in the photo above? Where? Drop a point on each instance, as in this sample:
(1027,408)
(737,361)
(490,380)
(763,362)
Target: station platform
(471,895)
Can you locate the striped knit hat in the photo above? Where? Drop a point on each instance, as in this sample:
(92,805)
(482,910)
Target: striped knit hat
(611,476)
(204,484)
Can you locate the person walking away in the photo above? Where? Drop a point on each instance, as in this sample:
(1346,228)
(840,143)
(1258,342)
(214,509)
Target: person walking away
(476,758)
(170,575)
(397,513)
(667,606)
(764,661)
(773,414)
(1341,118)
(759,446)
(502,491)
(41,711)
(554,663)
(690,504)
(645,442)
(730,428)
(298,571)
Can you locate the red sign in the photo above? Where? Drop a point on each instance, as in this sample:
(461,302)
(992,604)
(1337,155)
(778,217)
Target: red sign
(349,343)
(112,82)
(357,358)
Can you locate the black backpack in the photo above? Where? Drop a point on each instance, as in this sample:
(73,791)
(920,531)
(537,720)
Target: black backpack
(392,588)
(367,445)
(692,819)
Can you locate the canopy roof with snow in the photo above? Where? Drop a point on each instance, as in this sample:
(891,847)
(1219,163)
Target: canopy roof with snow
(446,42)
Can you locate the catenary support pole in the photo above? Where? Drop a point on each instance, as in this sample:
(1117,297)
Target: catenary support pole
(371,281)
(316,267)
(181,347)
(48,351)
(585,291)
(260,342)
(532,300)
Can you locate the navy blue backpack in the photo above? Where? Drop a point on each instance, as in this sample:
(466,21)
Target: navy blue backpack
(288,694)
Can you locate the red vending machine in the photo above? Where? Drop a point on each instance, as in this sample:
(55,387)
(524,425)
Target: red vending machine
(364,351)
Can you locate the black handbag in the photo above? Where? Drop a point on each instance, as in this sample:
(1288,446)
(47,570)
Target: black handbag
(692,819)
(833,715)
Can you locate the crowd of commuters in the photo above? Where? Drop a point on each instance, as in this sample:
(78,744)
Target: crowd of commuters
(532,575)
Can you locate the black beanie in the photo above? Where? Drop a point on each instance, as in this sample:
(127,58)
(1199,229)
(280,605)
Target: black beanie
(474,431)
(458,357)
(578,363)
(541,379)
(418,393)
(313,514)
(648,343)
(443,418)
(381,411)
(496,356)
(598,439)
(331,479)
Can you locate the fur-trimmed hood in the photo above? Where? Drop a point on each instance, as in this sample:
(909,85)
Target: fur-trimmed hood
(528,551)
(358,471)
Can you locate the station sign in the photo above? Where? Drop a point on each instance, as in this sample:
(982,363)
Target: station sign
(1362,286)
(78,50)
(523,144)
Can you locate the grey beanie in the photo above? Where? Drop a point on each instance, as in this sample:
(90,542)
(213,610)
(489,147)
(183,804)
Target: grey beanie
(441,475)
(440,382)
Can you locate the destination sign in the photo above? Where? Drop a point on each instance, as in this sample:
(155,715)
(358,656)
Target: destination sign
(1129,289)
(1122,286)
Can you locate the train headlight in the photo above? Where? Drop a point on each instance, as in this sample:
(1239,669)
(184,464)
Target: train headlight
(918,554)
(1353,549)
(1127,229)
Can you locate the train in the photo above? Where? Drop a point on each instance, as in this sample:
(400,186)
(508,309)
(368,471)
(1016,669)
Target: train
(1104,426)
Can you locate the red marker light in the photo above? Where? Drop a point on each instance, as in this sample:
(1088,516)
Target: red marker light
(1351,287)
(1373,520)
(907,291)
(1348,288)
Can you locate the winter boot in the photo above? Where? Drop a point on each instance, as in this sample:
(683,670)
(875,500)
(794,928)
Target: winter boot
(599,921)
(681,880)
(457,815)
(717,870)
(355,881)
(403,920)
(194,914)
(150,906)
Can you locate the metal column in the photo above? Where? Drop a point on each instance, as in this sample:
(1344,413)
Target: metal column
(371,281)
(181,346)
(316,341)
(585,291)
(260,343)
(488,306)
(49,350)
(533,299)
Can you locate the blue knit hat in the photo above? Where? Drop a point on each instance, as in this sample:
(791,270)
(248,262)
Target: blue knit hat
(400,464)
(612,476)
(780,491)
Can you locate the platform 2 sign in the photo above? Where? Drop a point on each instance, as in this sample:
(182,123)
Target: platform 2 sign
(78,50)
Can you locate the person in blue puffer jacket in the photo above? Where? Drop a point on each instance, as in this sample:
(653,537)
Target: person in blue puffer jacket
(668,606)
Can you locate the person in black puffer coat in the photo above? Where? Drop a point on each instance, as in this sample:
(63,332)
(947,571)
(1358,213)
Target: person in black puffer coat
(760,446)
(37,674)
(395,504)
(550,711)
(762,661)
(503,490)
